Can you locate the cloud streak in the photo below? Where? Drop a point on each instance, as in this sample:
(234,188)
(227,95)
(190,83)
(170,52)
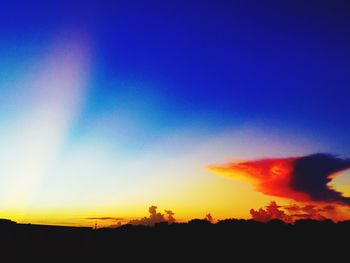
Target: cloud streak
(105,218)
(302,179)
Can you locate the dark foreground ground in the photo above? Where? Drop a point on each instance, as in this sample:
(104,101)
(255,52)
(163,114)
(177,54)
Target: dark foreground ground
(198,240)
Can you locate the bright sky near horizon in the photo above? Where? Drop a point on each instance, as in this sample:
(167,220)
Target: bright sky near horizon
(107,109)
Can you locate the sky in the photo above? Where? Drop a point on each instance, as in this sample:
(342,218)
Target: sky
(110,107)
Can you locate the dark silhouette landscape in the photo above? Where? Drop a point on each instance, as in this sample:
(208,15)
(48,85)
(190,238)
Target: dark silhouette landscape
(198,238)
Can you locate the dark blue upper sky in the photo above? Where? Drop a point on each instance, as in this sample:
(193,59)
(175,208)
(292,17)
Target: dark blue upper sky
(214,61)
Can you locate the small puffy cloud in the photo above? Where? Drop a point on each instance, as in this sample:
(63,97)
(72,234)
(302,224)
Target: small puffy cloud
(272,211)
(154,217)
(291,213)
(170,216)
(209,218)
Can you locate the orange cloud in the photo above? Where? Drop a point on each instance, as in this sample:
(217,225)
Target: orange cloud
(302,179)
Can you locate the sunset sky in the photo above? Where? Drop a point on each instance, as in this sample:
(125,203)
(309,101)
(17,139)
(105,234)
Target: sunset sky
(110,107)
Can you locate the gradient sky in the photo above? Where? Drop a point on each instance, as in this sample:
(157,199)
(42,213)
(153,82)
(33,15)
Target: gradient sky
(109,107)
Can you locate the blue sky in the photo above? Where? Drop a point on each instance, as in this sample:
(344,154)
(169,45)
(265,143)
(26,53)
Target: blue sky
(162,78)
(213,58)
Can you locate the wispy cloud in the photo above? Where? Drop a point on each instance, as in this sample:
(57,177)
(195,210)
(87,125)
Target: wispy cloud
(105,218)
